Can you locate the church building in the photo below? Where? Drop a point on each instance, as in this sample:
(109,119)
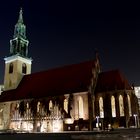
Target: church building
(70,98)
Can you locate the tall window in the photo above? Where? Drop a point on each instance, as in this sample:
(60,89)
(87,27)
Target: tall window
(121,105)
(66,105)
(27,105)
(11,68)
(113,108)
(129,105)
(24,68)
(17,114)
(50,105)
(80,107)
(38,106)
(24,50)
(101,107)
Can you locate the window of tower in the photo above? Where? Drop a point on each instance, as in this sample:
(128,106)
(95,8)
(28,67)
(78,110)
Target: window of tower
(24,50)
(11,68)
(24,68)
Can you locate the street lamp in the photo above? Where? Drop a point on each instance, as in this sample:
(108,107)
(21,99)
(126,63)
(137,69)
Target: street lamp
(69,121)
(97,117)
(135,117)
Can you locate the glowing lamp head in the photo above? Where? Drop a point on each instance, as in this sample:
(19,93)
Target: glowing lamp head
(69,121)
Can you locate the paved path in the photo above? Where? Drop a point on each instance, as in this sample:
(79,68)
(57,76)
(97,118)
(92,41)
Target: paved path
(119,134)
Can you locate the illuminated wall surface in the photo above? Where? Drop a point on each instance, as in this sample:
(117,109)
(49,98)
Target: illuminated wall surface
(1,88)
(43,121)
(54,125)
(137,92)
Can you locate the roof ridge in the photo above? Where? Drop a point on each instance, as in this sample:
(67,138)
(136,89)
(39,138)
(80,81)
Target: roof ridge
(62,67)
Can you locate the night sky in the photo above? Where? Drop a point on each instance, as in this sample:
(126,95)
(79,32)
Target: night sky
(63,32)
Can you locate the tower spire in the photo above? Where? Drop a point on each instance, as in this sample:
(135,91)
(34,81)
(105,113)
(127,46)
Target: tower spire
(20,28)
(20,19)
(19,43)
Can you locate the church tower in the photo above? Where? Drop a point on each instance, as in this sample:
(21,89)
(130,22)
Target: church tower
(17,64)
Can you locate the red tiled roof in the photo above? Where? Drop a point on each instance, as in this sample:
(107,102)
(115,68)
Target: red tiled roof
(64,80)
(59,81)
(111,80)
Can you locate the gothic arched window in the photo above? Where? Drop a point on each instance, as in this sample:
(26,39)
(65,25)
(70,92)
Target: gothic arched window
(80,107)
(50,105)
(101,107)
(66,105)
(11,68)
(121,105)
(24,51)
(113,108)
(38,106)
(24,68)
(27,105)
(129,105)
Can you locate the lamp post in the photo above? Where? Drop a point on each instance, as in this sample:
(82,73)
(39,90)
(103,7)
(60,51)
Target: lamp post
(69,121)
(135,117)
(97,117)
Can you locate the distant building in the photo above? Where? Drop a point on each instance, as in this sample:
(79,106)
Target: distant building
(137,92)
(72,97)
(1,88)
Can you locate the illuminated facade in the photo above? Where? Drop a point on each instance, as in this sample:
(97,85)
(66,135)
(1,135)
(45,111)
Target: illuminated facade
(116,98)
(137,92)
(74,97)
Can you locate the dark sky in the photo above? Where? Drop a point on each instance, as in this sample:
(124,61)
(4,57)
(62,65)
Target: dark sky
(64,32)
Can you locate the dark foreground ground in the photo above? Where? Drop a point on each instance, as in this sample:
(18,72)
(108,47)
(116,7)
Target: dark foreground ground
(121,134)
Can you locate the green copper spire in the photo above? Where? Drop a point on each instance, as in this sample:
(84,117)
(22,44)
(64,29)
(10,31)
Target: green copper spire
(20,28)
(20,19)
(19,43)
